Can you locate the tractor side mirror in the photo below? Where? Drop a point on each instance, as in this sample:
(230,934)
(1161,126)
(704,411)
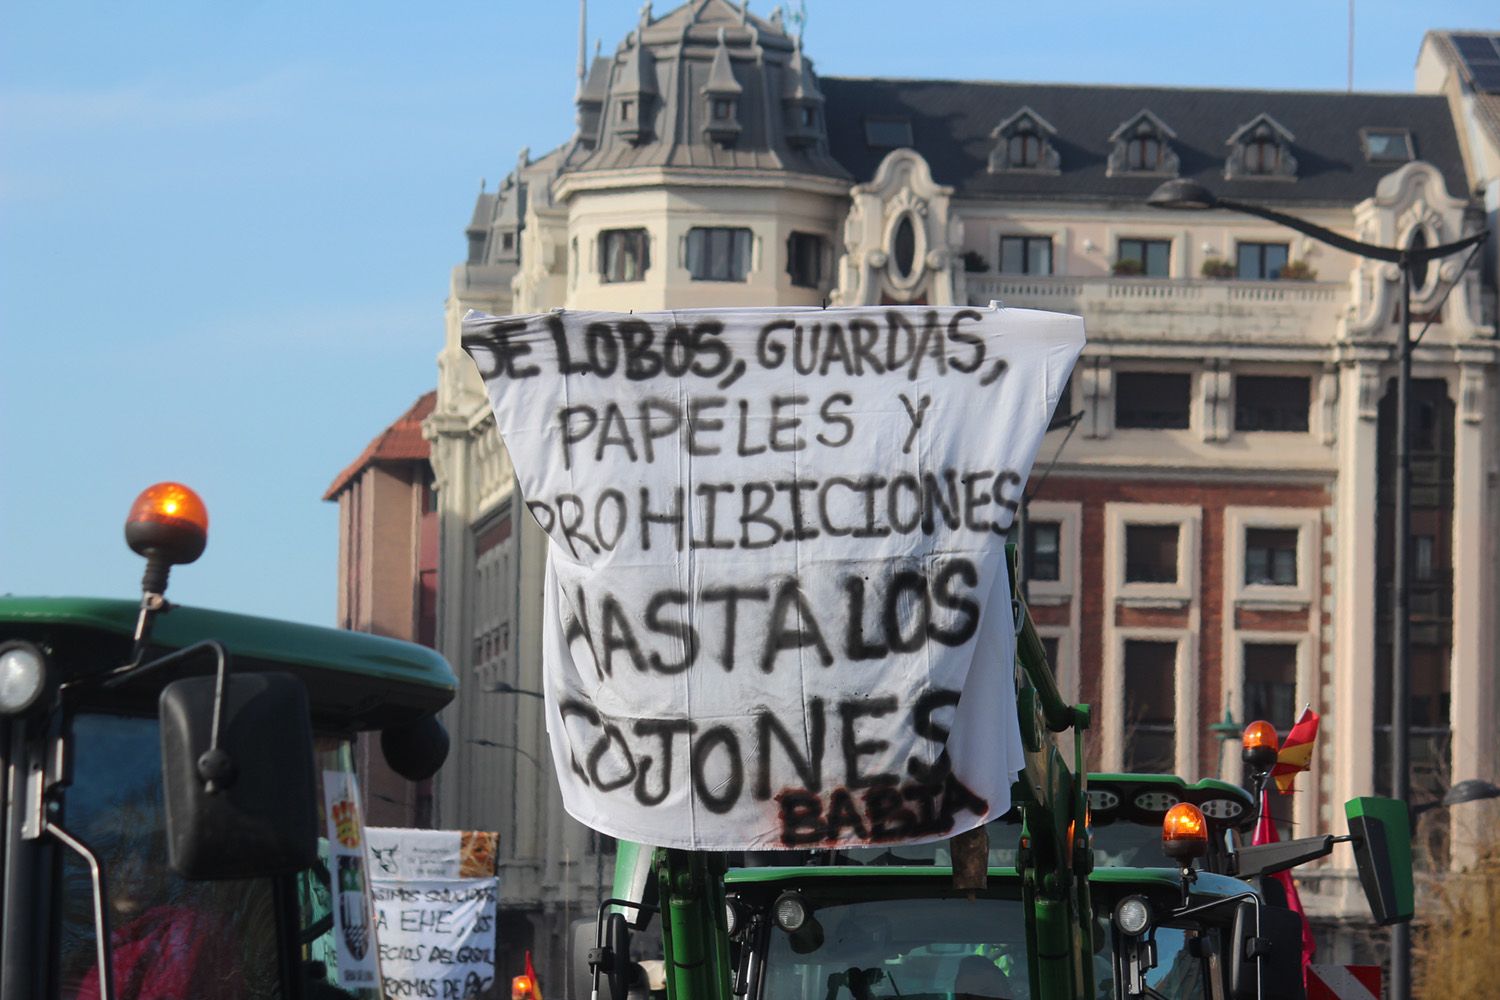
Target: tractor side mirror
(416,751)
(1265,958)
(1381,832)
(238,775)
(610,959)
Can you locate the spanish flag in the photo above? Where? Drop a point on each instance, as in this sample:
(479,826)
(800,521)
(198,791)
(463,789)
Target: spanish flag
(1296,751)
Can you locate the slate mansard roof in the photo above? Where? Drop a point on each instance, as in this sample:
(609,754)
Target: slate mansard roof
(952,121)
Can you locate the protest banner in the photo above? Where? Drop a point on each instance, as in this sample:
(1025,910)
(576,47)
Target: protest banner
(349,900)
(777,612)
(435,895)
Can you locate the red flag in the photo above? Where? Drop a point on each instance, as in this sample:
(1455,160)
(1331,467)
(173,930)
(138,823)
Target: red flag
(1296,751)
(1265,833)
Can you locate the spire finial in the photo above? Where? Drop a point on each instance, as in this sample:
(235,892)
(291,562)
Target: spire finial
(583,44)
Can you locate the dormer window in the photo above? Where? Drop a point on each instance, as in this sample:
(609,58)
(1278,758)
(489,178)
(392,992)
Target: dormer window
(721,95)
(1260,149)
(1143,145)
(634,90)
(1392,145)
(1023,142)
(801,98)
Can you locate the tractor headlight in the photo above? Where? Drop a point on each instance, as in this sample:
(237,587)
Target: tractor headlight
(23,675)
(1133,915)
(790,911)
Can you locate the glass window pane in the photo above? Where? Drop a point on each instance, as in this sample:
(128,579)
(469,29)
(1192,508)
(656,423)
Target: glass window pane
(1271,402)
(718,253)
(1043,559)
(1423,561)
(1158,259)
(622,255)
(1271,557)
(1271,683)
(1150,705)
(1247,264)
(1153,400)
(1151,553)
(1039,255)
(741,263)
(168,933)
(1012,255)
(1132,250)
(1276,257)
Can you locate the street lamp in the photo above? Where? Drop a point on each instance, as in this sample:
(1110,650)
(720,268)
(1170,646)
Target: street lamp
(1471,790)
(1188,195)
(505,687)
(1225,730)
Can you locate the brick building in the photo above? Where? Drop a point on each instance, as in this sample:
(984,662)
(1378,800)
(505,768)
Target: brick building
(388,579)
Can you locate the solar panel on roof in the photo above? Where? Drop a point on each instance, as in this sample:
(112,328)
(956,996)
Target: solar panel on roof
(1475,46)
(1487,77)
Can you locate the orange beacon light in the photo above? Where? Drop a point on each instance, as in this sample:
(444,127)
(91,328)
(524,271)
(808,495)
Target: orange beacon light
(1184,833)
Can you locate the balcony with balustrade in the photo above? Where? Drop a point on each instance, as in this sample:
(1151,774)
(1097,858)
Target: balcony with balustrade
(1177,310)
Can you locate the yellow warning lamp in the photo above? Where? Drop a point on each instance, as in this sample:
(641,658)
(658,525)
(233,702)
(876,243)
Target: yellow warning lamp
(522,988)
(167,524)
(1184,833)
(1259,746)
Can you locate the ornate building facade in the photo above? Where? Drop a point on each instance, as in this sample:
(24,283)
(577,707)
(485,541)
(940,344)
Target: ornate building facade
(1215,530)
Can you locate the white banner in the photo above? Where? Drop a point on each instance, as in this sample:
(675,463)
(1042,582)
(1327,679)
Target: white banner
(434,910)
(777,609)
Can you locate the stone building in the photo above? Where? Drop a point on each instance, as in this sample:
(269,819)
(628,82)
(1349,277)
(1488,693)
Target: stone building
(1216,530)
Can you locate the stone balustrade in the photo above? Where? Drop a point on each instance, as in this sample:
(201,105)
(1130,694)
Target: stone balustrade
(1125,308)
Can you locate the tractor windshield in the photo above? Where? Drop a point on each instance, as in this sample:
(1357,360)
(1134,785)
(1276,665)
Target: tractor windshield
(917,949)
(951,947)
(170,937)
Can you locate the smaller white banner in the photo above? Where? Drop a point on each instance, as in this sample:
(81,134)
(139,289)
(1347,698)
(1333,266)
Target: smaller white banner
(353,931)
(414,854)
(436,927)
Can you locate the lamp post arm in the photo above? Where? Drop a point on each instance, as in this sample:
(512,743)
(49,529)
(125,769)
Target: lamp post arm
(1370,250)
(1444,249)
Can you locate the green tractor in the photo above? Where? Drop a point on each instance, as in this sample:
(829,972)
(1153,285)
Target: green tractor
(167,809)
(1093,887)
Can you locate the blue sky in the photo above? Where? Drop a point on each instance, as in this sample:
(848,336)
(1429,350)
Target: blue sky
(226,229)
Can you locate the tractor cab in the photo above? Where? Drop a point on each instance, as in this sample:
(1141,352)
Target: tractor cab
(181,806)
